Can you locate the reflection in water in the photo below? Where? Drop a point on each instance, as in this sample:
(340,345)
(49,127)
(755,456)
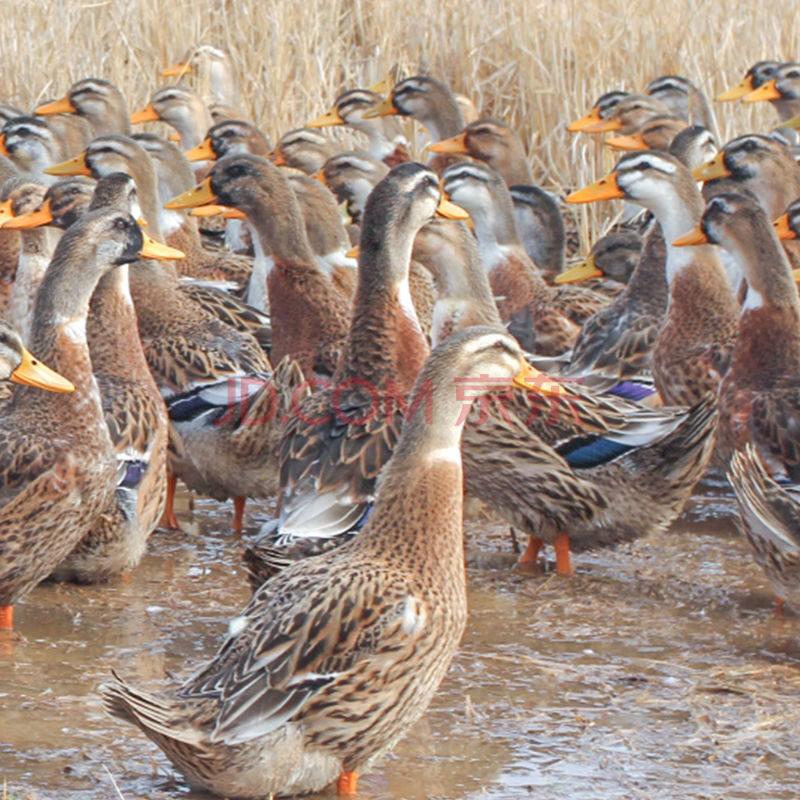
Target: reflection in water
(658,671)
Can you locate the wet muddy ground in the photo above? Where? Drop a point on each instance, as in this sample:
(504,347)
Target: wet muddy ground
(659,671)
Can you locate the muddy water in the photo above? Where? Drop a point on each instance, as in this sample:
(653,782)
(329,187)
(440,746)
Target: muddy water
(659,671)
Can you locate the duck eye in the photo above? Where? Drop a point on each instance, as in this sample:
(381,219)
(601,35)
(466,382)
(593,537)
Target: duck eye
(793,74)
(120,223)
(236,171)
(749,146)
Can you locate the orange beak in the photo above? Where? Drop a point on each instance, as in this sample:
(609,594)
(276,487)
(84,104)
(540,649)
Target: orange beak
(6,213)
(320,176)
(200,195)
(448,209)
(783,229)
(177,70)
(695,236)
(633,142)
(33,219)
(384,109)
(456,144)
(333,117)
(603,125)
(75,166)
(584,122)
(605,189)
(3,150)
(737,92)
(203,152)
(147,114)
(32,372)
(712,169)
(532,380)
(153,249)
(276,157)
(62,106)
(767,91)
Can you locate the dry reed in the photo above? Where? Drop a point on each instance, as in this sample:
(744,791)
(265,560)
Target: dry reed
(534,63)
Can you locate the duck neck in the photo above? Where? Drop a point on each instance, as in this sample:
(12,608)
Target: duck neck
(385,339)
(420,490)
(59,322)
(282,233)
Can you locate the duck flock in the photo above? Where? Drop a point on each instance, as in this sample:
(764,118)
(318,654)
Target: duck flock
(368,339)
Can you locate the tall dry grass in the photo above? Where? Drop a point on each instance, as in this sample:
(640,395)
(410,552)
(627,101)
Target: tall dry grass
(534,63)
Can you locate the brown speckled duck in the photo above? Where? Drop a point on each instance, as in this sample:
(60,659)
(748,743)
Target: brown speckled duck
(57,466)
(333,659)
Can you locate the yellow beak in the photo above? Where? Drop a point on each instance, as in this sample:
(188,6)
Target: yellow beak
(203,152)
(585,270)
(75,166)
(62,106)
(605,189)
(456,144)
(147,114)
(781,226)
(353,252)
(712,169)
(633,142)
(449,210)
(176,70)
(31,372)
(584,122)
(531,379)
(767,91)
(200,195)
(333,117)
(384,109)
(695,236)
(209,210)
(33,219)
(153,249)
(737,92)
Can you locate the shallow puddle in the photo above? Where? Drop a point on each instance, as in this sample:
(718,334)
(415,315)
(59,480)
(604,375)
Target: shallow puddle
(658,671)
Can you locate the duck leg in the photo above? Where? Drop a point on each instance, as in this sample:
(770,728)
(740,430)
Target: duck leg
(347,783)
(530,558)
(563,561)
(168,518)
(238,515)
(6,618)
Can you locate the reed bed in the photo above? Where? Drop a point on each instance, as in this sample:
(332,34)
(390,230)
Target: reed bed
(534,63)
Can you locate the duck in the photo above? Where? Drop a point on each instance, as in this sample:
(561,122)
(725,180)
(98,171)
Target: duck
(305,149)
(95,100)
(693,146)
(214,377)
(759,396)
(329,467)
(384,140)
(230,137)
(384,613)
(684,99)
(543,322)
(58,471)
(606,470)
(212,70)
(756,76)
(628,114)
(182,110)
(308,313)
(693,347)
(541,228)
(656,133)
(769,518)
(782,90)
(351,176)
(18,365)
(32,145)
(603,107)
(326,233)
(787,227)
(24,195)
(135,413)
(494,143)
(433,105)
(614,257)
